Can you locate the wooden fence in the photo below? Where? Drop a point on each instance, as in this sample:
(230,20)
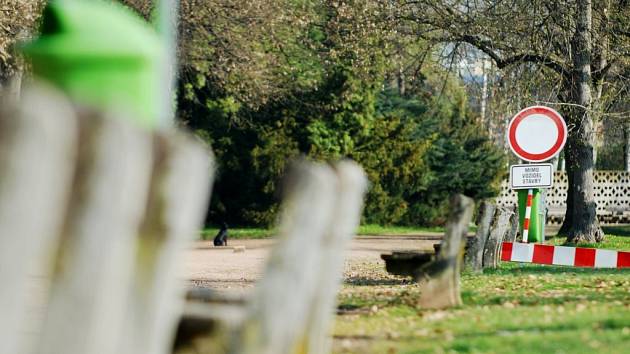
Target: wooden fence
(96,213)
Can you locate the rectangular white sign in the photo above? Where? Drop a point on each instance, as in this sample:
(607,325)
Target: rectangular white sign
(538,175)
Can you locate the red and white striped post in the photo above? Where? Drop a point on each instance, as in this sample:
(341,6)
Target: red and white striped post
(528,214)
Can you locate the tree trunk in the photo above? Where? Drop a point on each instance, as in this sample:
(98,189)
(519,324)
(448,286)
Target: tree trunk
(473,259)
(580,222)
(484,95)
(559,162)
(510,236)
(401,81)
(500,227)
(567,223)
(600,61)
(626,147)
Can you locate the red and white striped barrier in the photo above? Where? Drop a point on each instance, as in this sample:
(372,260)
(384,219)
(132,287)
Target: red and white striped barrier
(562,255)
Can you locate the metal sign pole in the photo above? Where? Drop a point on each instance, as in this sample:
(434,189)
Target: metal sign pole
(528,214)
(542,212)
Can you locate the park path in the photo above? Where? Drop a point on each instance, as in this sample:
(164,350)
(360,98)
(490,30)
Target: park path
(222,269)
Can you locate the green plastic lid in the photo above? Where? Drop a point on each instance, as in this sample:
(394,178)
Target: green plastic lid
(101,54)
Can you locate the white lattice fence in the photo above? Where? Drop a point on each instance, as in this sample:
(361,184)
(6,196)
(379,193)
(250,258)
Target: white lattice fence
(612,194)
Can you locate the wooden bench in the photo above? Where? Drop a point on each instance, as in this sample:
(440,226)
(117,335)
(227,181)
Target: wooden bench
(494,225)
(438,273)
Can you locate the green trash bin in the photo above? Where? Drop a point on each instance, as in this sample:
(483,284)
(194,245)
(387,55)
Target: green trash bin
(101,54)
(537,218)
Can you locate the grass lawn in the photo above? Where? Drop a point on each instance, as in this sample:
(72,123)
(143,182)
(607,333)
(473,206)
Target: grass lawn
(364,230)
(514,309)
(373,229)
(239,233)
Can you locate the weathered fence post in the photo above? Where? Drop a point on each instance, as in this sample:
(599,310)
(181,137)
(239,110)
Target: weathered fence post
(510,236)
(179,192)
(277,312)
(500,227)
(94,213)
(92,272)
(346,216)
(473,257)
(37,147)
(439,282)
(292,307)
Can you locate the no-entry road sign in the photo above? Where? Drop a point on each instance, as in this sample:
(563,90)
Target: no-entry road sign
(531,176)
(537,133)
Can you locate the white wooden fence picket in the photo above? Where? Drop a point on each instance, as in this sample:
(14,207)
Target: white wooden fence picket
(37,140)
(346,217)
(291,310)
(178,196)
(101,210)
(277,312)
(92,270)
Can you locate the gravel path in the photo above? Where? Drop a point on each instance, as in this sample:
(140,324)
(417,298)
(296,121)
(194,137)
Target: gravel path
(220,268)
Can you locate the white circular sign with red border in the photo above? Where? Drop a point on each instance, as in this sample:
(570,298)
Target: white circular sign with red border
(537,133)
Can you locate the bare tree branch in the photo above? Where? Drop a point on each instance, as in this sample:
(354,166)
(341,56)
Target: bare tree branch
(487,47)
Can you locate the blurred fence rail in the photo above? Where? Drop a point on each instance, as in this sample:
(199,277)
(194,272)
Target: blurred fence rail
(95,214)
